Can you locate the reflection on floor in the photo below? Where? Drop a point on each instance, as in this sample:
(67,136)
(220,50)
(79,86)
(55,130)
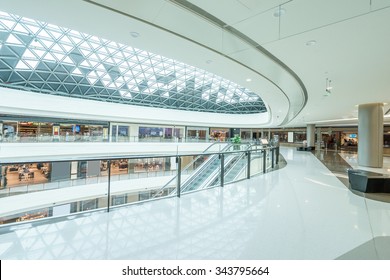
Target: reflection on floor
(301,211)
(335,163)
(339,163)
(367,250)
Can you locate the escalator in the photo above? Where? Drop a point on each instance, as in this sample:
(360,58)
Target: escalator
(208,172)
(197,163)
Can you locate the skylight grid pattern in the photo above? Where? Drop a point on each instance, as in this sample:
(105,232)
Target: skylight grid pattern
(45,58)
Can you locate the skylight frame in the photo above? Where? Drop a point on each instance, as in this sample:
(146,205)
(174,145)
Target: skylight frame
(114,71)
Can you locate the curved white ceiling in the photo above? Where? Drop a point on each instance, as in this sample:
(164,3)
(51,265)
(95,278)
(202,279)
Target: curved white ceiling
(352,42)
(218,54)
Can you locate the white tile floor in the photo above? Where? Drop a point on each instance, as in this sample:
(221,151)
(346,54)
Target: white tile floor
(301,211)
(352,159)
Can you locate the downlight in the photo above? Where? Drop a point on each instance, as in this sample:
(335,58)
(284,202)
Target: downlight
(279,12)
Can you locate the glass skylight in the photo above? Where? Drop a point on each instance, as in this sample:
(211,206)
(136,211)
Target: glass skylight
(40,57)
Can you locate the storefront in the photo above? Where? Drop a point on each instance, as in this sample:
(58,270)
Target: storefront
(293,135)
(197,133)
(386,137)
(150,133)
(25,174)
(9,131)
(234,132)
(257,134)
(246,134)
(220,134)
(349,140)
(161,133)
(35,129)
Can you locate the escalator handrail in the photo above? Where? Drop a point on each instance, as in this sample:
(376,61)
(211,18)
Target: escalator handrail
(204,165)
(195,159)
(193,176)
(189,164)
(212,174)
(237,161)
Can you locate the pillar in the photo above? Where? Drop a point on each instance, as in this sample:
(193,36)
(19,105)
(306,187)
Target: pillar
(134,133)
(319,139)
(370,133)
(310,135)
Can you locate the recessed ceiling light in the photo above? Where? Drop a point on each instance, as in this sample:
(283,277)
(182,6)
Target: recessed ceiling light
(249,80)
(311,43)
(134,34)
(279,12)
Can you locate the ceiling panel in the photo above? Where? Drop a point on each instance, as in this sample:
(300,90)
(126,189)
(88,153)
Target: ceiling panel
(356,62)
(183,23)
(145,9)
(235,11)
(262,28)
(258,6)
(379,4)
(229,11)
(303,15)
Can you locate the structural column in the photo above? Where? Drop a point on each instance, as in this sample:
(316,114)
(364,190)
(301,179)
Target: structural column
(370,133)
(319,138)
(310,135)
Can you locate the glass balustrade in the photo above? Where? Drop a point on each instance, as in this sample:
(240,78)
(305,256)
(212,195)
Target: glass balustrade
(44,190)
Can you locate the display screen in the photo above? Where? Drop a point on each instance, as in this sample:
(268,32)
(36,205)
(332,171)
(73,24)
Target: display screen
(76,128)
(352,135)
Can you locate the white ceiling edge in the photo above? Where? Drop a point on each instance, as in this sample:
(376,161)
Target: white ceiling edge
(18,102)
(88,18)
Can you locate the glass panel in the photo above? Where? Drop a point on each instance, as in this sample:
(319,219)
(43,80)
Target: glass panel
(150,133)
(82,183)
(158,74)
(155,173)
(114,133)
(236,165)
(256,160)
(123,133)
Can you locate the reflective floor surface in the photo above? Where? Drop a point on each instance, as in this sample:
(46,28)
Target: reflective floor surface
(301,211)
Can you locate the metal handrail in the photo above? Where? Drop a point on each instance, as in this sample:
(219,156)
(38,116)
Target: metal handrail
(193,177)
(249,150)
(235,164)
(161,190)
(199,156)
(202,168)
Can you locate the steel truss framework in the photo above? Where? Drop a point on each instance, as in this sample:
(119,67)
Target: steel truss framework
(41,57)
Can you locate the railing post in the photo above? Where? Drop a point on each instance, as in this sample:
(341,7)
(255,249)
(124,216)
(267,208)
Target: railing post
(277,155)
(178,183)
(264,160)
(272,157)
(222,157)
(109,185)
(248,176)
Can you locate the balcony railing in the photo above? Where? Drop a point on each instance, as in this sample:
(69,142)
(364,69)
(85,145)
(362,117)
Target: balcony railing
(53,189)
